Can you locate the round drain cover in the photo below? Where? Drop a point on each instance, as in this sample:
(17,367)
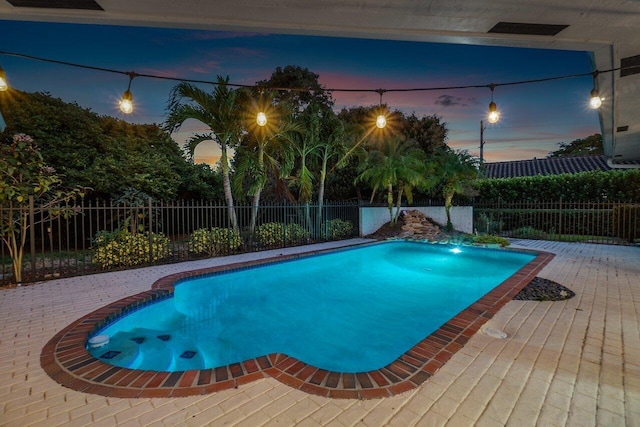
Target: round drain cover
(494,333)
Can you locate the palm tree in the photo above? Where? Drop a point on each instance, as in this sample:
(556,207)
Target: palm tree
(220,111)
(395,163)
(457,170)
(331,144)
(263,152)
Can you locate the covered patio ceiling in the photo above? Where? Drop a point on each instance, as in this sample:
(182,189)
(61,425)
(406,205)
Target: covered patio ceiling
(610,29)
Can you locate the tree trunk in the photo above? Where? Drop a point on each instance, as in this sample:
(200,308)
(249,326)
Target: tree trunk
(390,202)
(323,175)
(447,207)
(226,183)
(398,204)
(256,196)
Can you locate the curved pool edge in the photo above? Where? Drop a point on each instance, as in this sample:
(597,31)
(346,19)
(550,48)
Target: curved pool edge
(65,359)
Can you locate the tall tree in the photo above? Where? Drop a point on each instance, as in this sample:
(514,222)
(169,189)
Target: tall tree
(332,146)
(457,169)
(297,87)
(221,112)
(264,150)
(427,131)
(589,146)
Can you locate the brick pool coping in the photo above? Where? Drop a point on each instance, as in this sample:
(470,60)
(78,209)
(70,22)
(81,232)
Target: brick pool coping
(65,358)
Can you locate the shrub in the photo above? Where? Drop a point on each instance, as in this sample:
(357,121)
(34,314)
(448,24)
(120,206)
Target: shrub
(296,234)
(122,249)
(491,239)
(272,234)
(626,222)
(338,229)
(214,241)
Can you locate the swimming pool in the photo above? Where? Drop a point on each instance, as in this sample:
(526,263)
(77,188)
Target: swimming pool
(349,311)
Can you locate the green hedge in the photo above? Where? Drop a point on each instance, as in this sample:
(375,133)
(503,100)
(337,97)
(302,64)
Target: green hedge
(614,185)
(214,241)
(337,229)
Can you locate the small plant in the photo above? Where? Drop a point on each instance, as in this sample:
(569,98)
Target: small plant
(296,234)
(338,229)
(491,239)
(214,241)
(487,224)
(123,249)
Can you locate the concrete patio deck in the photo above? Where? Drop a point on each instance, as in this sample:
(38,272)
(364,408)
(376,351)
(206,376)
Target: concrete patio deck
(575,362)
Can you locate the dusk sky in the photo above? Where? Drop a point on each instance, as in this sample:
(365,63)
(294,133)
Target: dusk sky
(534,117)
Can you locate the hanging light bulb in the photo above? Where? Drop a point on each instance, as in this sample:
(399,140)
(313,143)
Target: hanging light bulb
(381,120)
(595,101)
(494,114)
(126,103)
(3,80)
(261,119)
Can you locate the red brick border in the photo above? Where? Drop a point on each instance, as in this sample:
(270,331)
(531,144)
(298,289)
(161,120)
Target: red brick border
(67,361)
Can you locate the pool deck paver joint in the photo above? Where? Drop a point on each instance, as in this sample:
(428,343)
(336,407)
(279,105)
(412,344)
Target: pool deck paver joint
(67,361)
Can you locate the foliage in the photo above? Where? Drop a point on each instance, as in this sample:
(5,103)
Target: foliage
(103,153)
(25,175)
(427,131)
(589,146)
(486,223)
(585,186)
(626,222)
(338,229)
(272,234)
(123,249)
(134,201)
(214,241)
(457,171)
(297,77)
(491,239)
(221,112)
(395,164)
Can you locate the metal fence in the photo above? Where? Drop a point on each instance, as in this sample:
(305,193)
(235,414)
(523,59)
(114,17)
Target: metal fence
(99,236)
(597,222)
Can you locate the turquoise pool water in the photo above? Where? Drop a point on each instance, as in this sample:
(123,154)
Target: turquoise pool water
(353,310)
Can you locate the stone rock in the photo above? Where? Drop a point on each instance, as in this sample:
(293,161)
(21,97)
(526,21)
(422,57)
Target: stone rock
(418,226)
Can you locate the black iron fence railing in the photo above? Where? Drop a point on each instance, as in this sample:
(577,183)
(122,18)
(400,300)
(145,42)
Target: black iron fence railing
(598,222)
(101,236)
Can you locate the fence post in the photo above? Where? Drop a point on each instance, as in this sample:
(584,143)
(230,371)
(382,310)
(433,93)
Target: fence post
(32,236)
(560,218)
(150,233)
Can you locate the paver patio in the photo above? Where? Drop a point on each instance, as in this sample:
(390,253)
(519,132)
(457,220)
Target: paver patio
(575,362)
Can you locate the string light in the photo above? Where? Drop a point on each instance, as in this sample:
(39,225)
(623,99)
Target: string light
(261,118)
(127,98)
(3,80)
(494,114)
(381,120)
(595,101)
(126,103)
